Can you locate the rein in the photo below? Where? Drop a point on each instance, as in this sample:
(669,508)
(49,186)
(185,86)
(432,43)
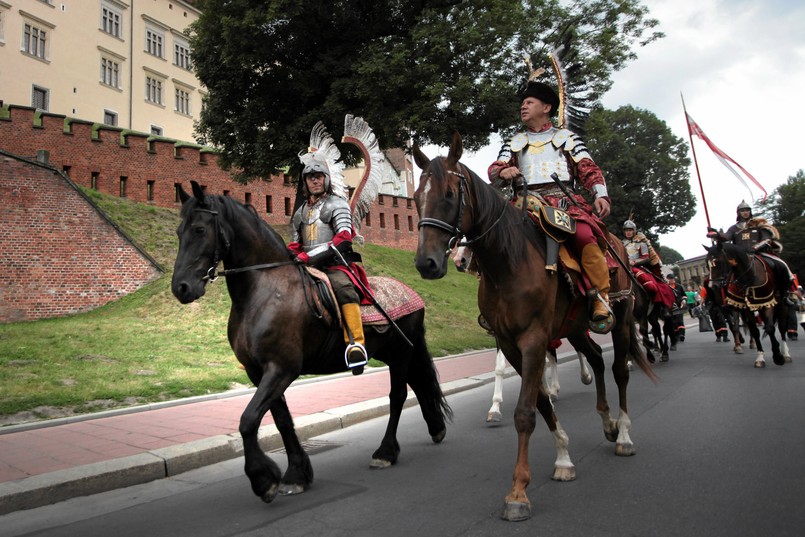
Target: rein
(212,273)
(454,229)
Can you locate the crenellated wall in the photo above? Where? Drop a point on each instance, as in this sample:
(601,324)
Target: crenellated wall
(147,169)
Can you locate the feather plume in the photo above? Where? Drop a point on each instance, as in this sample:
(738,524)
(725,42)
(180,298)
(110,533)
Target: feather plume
(323,148)
(360,134)
(571,116)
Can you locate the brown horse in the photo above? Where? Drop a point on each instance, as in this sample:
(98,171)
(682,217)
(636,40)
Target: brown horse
(278,332)
(525,306)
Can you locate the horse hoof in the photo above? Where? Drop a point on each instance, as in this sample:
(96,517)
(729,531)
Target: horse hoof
(624,450)
(673,347)
(516,511)
(564,473)
(759,364)
(379,464)
(787,359)
(664,357)
(630,365)
(438,437)
(494,417)
(269,495)
(737,349)
(612,436)
(291,489)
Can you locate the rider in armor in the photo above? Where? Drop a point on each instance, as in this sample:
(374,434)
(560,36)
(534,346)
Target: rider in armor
(541,150)
(322,222)
(645,264)
(756,235)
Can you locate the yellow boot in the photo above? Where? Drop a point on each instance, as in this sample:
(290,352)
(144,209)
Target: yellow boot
(355,354)
(595,266)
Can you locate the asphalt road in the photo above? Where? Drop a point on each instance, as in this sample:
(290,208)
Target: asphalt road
(720,449)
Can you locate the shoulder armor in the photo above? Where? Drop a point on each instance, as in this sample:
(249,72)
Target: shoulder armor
(572,144)
(296,223)
(518,141)
(561,137)
(335,212)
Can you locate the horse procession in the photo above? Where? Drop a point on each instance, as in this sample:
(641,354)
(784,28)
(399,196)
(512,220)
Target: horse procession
(548,271)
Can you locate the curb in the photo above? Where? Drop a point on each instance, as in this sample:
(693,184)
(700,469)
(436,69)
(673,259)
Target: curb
(45,489)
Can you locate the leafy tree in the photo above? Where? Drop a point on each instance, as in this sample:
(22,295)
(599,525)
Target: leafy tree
(646,168)
(785,207)
(411,68)
(669,256)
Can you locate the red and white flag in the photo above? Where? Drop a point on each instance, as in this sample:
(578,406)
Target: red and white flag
(694,129)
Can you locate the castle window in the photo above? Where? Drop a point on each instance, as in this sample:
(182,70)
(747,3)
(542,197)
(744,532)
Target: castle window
(110,20)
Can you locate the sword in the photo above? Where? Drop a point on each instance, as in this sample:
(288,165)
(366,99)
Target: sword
(368,294)
(612,251)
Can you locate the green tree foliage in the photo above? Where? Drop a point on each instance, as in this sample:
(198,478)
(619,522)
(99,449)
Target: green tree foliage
(646,168)
(785,207)
(669,256)
(411,68)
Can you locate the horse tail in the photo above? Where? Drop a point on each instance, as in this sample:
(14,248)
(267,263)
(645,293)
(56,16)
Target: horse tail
(424,379)
(638,356)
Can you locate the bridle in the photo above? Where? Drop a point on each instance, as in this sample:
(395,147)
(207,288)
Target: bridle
(453,229)
(212,273)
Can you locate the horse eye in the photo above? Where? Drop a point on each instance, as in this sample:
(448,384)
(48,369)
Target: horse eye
(199,230)
(449,194)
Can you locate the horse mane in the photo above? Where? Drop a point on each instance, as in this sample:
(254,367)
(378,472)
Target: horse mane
(512,233)
(232,210)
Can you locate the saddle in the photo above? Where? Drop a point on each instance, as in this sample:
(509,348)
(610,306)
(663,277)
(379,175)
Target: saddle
(396,298)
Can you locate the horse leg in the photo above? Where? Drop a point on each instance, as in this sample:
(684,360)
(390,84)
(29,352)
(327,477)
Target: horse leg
(624,343)
(552,371)
(516,504)
(584,371)
(299,474)
(424,381)
(389,450)
(263,473)
(769,326)
(494,415)
(590,349)
(754,340)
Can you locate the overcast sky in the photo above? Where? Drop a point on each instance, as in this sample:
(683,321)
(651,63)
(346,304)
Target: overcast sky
(740,65)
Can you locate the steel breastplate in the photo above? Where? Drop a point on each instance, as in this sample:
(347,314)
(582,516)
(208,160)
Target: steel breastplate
(538,157)
(313,229)
(632,249)
(746,237)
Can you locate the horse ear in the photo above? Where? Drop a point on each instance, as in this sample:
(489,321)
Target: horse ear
(419,157)
(183,196)
(197,192)
(456,149)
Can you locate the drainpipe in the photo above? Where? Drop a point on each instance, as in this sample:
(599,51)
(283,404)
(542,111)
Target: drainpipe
(131,62)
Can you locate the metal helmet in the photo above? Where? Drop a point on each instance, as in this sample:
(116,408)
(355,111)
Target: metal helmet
(743,205)
(629,225)
(315,165)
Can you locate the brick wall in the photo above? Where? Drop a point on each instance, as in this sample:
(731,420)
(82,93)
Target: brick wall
(146,169)
(58,254)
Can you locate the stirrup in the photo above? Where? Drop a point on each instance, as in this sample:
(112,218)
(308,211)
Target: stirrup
(355,355)
(600,326)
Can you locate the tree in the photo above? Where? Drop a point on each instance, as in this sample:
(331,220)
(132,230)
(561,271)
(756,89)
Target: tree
(669,256)
(411,68)
(646,168)
(785,207)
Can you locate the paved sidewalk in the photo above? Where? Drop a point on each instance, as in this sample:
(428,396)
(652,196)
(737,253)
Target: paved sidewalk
(47,462)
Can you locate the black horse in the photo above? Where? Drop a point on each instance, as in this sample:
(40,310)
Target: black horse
(744,283)
(647,316)
(278,333)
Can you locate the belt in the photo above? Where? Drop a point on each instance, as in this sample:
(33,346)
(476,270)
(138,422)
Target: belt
(550,189)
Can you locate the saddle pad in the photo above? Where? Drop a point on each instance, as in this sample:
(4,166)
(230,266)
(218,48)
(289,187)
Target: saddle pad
(396,298)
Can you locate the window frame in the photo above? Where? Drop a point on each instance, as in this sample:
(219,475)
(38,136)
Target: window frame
(114,10)
(153,31)
(45,92)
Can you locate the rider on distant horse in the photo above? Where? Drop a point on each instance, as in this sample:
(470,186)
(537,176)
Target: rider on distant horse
(756,235)
(542,150)
(645,263)
(325,220)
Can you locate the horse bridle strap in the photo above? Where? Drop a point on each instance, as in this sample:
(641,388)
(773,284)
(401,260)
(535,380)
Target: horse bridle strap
(454,230)
(212,274)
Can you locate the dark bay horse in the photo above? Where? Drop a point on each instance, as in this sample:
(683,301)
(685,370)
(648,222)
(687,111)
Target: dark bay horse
(647,316)
(277,333)
(525,306)
(745,284)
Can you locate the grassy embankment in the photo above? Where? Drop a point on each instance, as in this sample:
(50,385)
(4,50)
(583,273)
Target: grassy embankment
(147,347)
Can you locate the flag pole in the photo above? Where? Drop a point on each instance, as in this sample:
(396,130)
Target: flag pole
(695,161)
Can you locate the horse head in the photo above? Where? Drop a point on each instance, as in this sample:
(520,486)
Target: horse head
(441,200)
(201,241)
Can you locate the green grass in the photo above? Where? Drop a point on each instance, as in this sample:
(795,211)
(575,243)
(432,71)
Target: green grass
(146,347)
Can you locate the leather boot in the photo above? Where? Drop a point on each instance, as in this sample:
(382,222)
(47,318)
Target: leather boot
(595,266)
(355,354)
